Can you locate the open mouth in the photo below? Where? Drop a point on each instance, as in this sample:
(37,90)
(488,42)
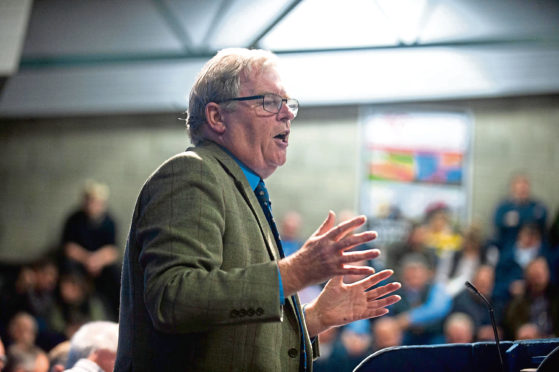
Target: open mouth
(282,136)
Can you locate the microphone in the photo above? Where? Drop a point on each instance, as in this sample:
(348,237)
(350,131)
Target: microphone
(471,287)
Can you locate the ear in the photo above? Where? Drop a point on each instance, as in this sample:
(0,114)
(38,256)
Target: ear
(214,118)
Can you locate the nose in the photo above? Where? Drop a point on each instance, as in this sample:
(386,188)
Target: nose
(285,113)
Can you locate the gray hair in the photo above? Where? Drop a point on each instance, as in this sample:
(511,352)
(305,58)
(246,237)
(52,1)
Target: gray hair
(220,79)
(91,337)
(459,318)
(22,358)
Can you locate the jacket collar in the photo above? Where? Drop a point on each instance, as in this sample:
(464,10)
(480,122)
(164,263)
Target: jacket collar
(231,166)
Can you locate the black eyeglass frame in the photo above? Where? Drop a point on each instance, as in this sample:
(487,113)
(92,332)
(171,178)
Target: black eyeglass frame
(263,96)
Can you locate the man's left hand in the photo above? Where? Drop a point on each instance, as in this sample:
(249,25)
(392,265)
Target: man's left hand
(340,303)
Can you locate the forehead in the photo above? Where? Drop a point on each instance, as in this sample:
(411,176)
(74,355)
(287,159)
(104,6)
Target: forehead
(264,80)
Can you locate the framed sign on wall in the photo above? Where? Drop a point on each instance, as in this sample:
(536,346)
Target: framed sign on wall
(410,160)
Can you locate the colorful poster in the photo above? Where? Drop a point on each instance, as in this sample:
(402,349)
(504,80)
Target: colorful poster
(411,159)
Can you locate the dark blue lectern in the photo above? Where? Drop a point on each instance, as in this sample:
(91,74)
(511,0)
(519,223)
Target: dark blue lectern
(477,357)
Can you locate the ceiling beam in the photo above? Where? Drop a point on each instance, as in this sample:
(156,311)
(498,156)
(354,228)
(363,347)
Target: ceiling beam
(278,19)
(39,62)
(217,19)
(174,25)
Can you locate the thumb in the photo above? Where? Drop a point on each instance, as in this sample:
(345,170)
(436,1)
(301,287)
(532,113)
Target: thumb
(326,225)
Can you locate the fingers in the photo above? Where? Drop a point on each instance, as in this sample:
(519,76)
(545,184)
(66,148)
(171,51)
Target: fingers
(382,291)
(357,270)
(375,313)
(355,240)
(368,254)
(327,224)
(345,227)
(383,302)
(372,280)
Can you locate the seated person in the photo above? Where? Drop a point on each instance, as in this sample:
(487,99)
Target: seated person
(471,304)
(415,243)
(22,359)
(76,304)
(537,303)
(518,209)
(386,333)
(509,272)
(528,331)
(89,244)
(440,234)
(456,267)
(459,329)
(424,303)
(22,330)
(93,348)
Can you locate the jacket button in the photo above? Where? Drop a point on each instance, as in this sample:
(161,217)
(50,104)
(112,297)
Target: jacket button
(234,314)
(260,311)
(250,312)
(242,313)
(293,352)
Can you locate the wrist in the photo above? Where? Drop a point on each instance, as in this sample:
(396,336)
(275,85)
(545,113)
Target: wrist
(313,319)
(290,276)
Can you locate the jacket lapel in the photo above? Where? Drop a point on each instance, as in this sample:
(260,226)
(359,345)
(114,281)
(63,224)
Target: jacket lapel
(233,169)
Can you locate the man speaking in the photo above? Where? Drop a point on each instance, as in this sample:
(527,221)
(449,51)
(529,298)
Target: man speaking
(205,285)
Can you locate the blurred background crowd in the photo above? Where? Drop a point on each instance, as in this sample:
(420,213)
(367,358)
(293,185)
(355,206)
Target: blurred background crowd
(516,268)
(46,302)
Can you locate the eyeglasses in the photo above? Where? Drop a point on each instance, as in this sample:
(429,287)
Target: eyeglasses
(271,102)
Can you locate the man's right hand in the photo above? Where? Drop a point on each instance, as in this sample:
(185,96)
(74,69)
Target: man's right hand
(324,255)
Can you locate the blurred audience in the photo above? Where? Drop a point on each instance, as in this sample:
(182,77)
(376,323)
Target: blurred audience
(345,348)
(518,209)
(58,356)
(356,341)
(89,246)
(3,357)
(469,303)
(440,233)
(329,352)
(76,305)
(424,303)
(509,273)
(459,329)
(45,304)
(528,331)
(22,330)
(26,359)
(414,243)
(290,230)
(93,348)
(537,302)
(386,333)
(455,267)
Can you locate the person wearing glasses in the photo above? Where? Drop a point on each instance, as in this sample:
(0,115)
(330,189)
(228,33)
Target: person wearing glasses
(205,284)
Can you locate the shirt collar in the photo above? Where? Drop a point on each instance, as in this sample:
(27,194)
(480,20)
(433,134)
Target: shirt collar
(252,178)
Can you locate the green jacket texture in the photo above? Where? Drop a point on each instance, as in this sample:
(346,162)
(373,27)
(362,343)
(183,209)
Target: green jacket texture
(200,283)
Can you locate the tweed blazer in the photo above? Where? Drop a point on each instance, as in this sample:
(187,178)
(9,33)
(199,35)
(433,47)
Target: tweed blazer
(200,283)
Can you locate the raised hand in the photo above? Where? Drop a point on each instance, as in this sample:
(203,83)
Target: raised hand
(324,255)
(340,303)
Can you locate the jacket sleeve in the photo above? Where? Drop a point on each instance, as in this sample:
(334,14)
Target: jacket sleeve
(180,223)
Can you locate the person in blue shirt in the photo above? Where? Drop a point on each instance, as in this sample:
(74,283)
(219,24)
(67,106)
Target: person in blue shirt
(518,209)
(290,228)
(424,304)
